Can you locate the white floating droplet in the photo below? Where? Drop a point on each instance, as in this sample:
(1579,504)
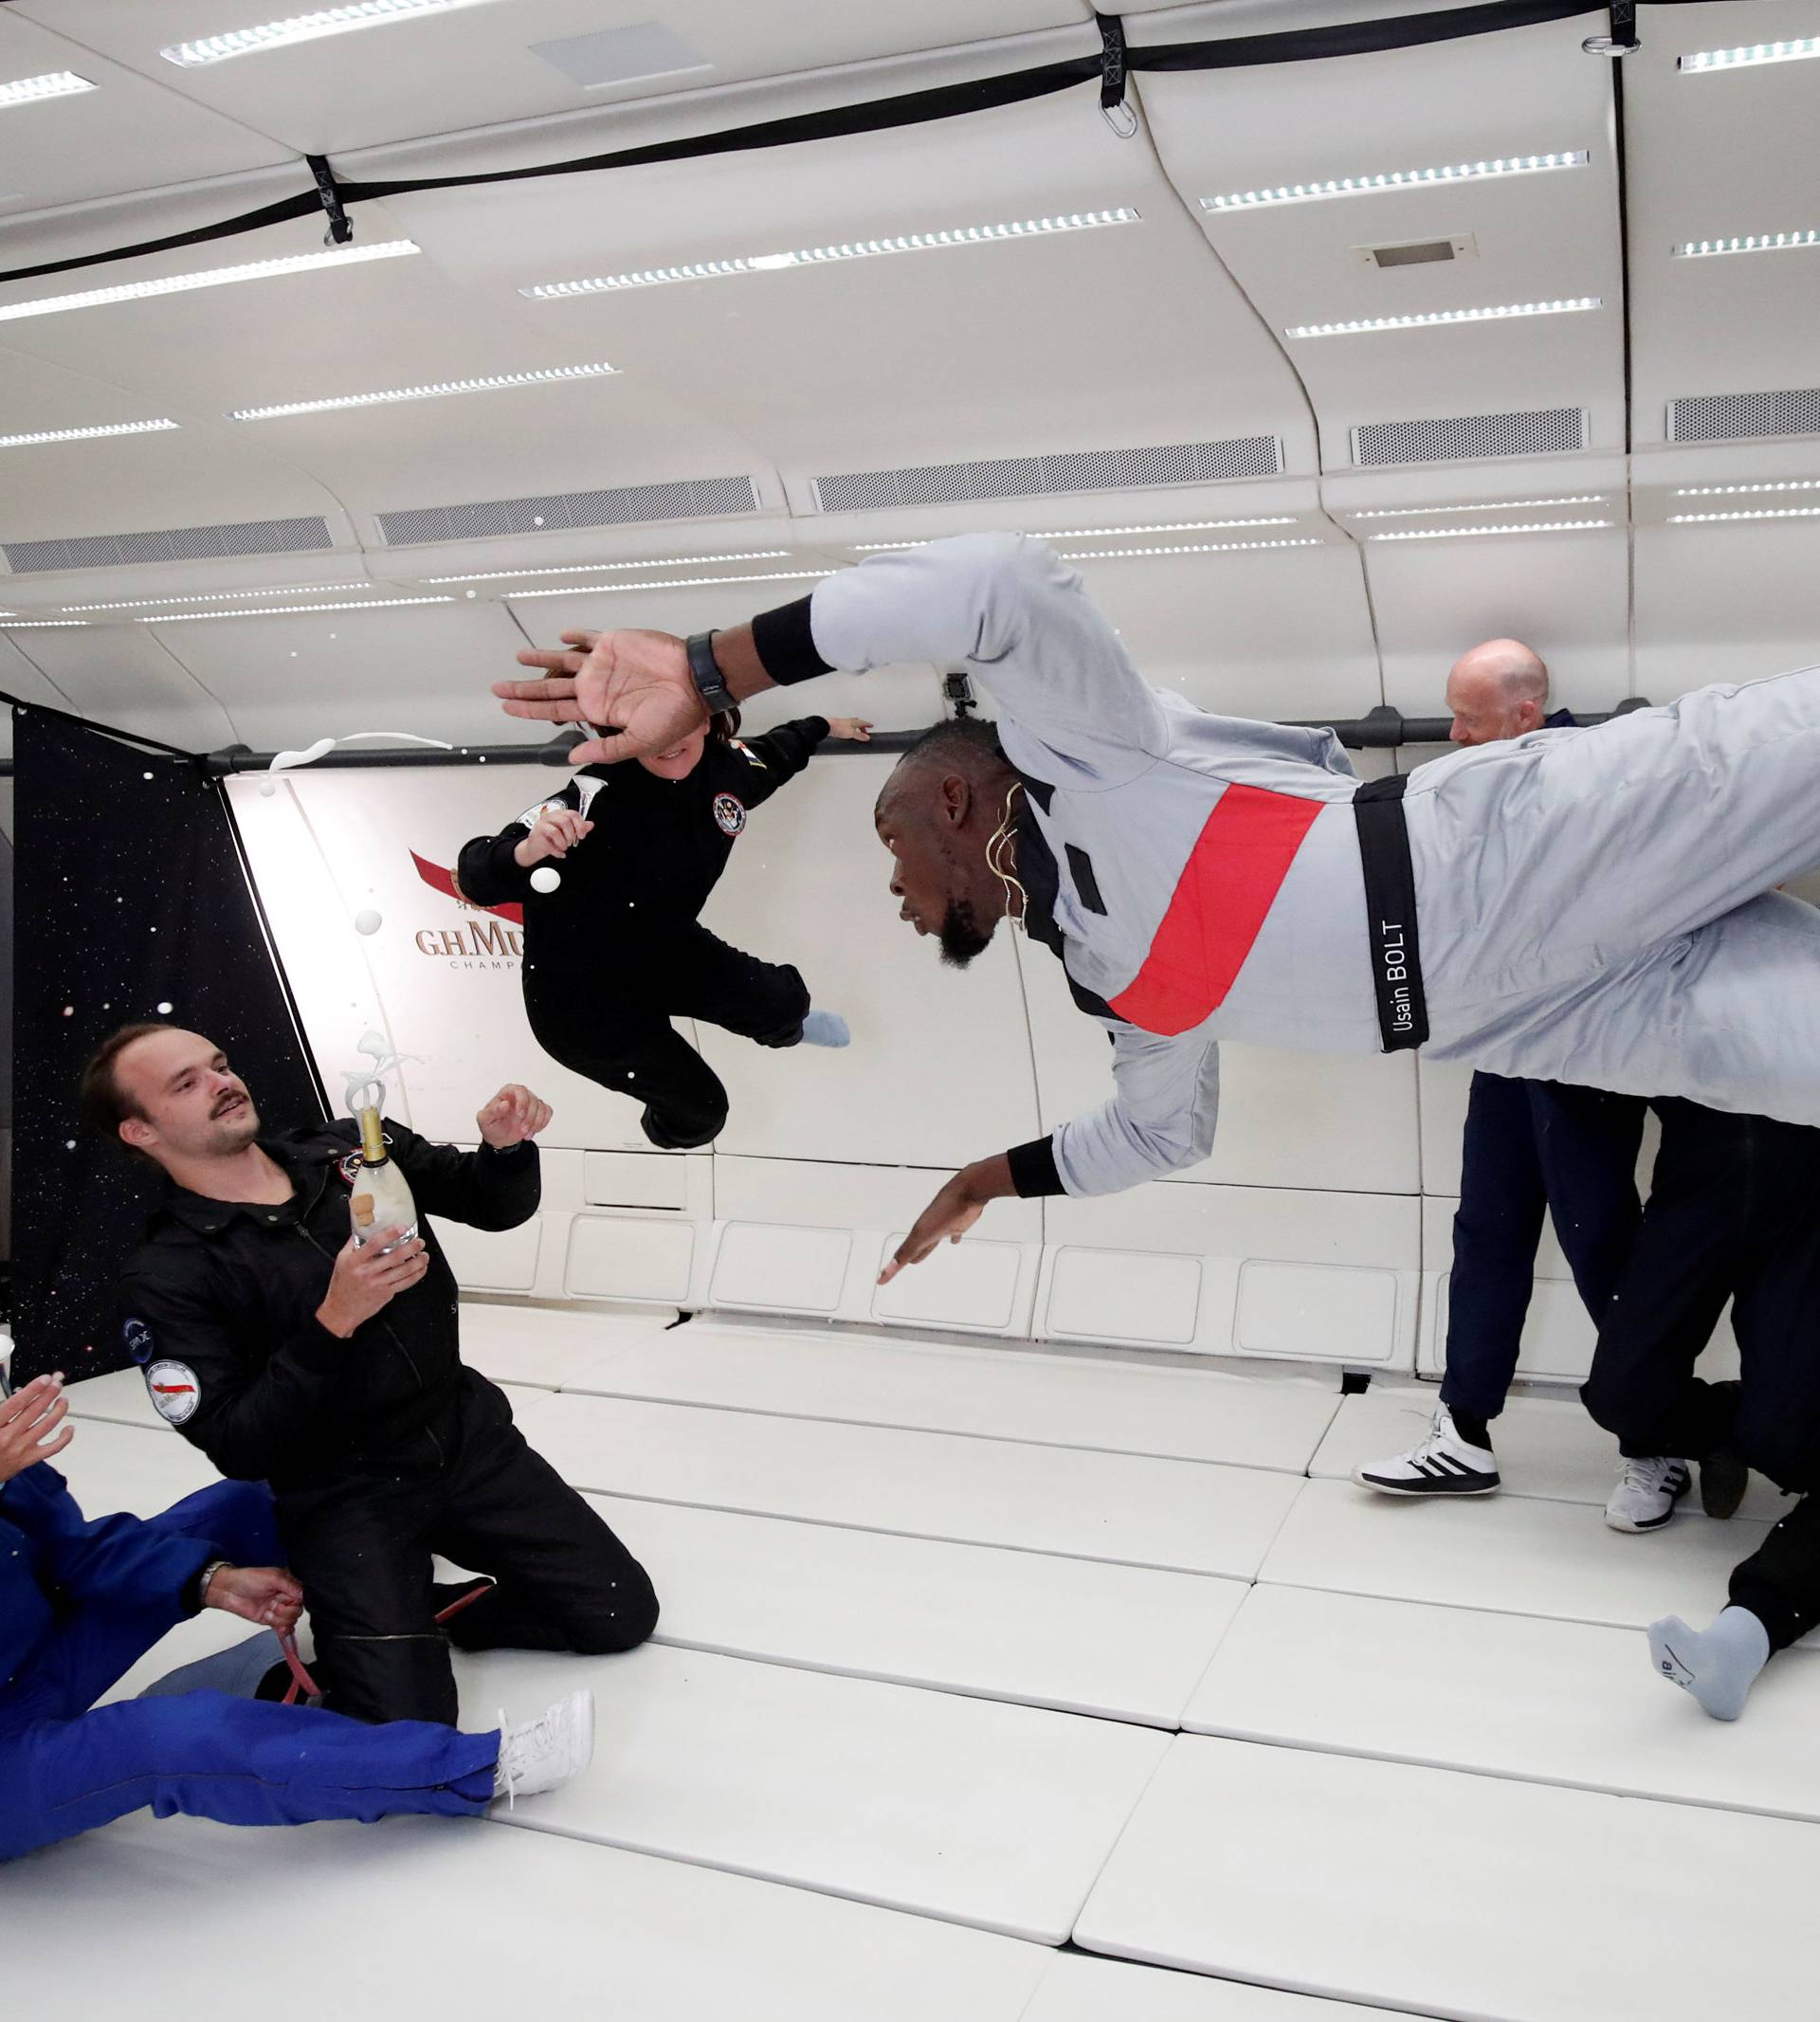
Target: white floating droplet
(545,880)
(165,1009)
(367,922)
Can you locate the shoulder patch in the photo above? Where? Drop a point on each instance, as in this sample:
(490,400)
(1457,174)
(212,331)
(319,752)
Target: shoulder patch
(729,813)
(174,1390)
(137,1337)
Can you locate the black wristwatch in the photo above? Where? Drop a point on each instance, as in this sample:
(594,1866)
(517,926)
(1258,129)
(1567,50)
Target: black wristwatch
(709,680)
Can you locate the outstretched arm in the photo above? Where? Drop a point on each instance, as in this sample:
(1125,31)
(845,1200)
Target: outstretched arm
(1159,1119)
(1003,606)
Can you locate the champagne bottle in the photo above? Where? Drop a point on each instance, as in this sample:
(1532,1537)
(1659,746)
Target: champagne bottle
(382,1195)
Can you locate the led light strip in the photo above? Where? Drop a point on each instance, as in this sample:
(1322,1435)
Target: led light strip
(436,390)
(663,561)
(1207,547)
(39,625)
(1756,242)
(1393,179)
(687,582)
(214,277)
(1766,512)
(53,85)
(83,435)
(1438,317)
(911,241)
(226,597)
(1498,505)
(1751,53)
(1732,491)
(285,610)
(1098,533)
(1467,532)
(301,27)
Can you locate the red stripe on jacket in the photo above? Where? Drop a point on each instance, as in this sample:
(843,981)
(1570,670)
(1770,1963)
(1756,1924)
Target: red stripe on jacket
(1218,909)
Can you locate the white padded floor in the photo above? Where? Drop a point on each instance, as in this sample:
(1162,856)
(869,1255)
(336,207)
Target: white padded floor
(931,1616)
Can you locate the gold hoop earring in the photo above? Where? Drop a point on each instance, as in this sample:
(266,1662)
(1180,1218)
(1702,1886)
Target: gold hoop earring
(1002,844)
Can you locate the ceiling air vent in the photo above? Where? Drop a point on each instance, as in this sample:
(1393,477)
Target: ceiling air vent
(1737,417)
(685,499)
(174,543)
(1454,438)
(1030,477)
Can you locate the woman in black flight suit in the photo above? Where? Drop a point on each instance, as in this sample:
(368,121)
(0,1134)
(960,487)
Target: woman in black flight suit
(616,951)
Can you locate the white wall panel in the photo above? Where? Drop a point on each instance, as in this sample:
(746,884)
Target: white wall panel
(425,668)
(1316,1277)
(1565,595)
(1283,632)
(489,1260)
(1726,603)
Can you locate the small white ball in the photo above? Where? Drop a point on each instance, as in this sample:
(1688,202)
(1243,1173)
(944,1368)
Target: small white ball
(267,788)
(545,879)
(368,921)
(165,1009)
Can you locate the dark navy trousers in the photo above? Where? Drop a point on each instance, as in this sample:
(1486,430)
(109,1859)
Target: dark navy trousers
(64,1767)
(1533,1147)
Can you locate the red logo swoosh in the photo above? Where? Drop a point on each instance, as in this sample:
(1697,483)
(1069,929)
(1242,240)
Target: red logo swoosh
(440,881)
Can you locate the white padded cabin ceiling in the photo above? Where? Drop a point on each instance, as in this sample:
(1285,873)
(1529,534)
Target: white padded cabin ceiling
(1168,329)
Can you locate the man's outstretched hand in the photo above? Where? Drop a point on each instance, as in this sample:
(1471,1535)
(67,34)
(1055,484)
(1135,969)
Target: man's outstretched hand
(635,682)
(953,1211)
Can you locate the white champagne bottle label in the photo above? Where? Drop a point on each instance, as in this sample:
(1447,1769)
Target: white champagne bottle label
(382,1197)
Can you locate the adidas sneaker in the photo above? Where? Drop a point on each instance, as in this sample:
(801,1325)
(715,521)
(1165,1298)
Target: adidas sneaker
(1442,1464)
(1645,1499)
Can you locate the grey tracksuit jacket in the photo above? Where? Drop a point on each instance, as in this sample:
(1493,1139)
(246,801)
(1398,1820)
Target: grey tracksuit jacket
(1588,900)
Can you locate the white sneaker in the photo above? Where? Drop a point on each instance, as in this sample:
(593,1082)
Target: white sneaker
(1645,1498)
(1442,1464)
(547,1751)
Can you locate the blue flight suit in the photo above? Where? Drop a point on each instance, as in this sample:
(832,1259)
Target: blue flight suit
(1532,1147)
(81,1602)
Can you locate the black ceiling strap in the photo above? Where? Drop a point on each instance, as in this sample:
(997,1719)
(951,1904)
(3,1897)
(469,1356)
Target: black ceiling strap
(340,225)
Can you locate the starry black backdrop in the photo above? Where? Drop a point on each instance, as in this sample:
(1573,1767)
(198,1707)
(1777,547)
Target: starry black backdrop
(128,896)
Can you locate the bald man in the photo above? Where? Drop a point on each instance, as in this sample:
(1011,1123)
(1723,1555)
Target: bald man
(1499,690)
(1531,1148)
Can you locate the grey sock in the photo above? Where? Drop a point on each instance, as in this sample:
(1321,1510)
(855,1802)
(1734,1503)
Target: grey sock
(825,1029)
(1718,1666)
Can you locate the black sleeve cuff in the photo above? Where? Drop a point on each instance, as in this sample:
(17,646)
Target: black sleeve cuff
(1033,1172)
(786,644)
(814,730)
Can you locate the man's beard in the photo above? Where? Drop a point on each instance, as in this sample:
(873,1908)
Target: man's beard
(961,936)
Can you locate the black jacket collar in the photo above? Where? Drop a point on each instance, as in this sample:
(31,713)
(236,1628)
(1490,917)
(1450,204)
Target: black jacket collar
(303,1154)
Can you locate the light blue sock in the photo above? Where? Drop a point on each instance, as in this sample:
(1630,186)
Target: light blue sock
(825,1029)
(1718,1667)
(235,1670)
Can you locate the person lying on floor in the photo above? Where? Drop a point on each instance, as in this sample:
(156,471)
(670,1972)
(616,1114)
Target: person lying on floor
(1734,1213)
(81,1602)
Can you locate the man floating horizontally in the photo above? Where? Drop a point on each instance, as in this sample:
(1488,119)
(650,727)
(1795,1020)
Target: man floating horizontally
(1585,906)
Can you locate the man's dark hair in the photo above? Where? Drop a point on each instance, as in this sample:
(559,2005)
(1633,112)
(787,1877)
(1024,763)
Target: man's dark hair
(959,737)
(961,743)
(103,1103)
